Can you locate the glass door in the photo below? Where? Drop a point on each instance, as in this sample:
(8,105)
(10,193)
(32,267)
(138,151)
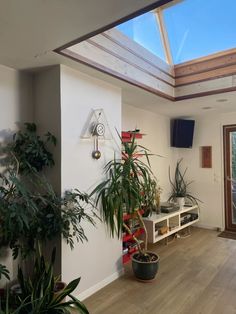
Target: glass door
(230,176)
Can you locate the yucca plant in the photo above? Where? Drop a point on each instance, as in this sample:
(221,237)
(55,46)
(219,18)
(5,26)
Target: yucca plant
(124,191)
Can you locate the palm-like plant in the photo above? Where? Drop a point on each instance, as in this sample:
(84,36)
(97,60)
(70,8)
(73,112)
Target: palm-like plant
(123,190)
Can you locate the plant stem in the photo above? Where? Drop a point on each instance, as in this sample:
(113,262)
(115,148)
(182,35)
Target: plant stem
(38,249)
(140,218)
(135,239)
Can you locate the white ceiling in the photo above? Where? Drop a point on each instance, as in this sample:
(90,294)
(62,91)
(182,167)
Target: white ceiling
(181,109)
(31,29)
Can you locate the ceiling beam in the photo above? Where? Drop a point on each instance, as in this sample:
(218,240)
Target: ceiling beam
(164,35)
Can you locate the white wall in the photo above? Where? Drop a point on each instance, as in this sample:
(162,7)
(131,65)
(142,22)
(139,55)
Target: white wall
(99,260)
(208,184)
(157,140)
(47,116)
(16,107)
(16,100)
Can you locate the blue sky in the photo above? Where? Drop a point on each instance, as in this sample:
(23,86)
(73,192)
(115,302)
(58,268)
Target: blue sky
(195,28)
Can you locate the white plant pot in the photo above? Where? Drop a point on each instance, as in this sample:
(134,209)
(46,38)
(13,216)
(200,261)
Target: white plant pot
(180,201)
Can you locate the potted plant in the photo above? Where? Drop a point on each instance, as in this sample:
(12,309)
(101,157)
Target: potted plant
(31,150)
(123,191)
(31,213)
(180,191)
(36,294)
(31,217)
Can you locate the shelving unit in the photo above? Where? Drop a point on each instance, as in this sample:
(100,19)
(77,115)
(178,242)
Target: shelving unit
(127,136)
(129,245)
(172,222)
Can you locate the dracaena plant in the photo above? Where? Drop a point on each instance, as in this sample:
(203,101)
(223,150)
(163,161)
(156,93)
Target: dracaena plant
(123,189)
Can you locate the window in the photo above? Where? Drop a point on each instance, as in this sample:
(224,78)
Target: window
(197,28)
(144,30)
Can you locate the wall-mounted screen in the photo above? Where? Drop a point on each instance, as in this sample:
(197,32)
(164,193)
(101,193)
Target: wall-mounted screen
(182,133)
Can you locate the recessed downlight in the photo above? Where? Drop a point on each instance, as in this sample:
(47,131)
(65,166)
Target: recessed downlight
(222,100)
(206,108)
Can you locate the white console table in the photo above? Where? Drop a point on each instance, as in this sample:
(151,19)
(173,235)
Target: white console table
(171,220)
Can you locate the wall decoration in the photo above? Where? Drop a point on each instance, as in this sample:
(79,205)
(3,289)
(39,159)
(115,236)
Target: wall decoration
(96,128)
(206,156)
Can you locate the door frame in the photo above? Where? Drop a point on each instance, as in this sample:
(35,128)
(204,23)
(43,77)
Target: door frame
(229,226)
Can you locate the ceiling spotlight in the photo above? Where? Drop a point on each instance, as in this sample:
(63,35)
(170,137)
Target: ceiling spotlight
(222,100)
(206,108)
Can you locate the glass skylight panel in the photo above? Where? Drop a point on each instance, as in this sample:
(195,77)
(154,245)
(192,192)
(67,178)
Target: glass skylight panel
(197,28)
(145,31)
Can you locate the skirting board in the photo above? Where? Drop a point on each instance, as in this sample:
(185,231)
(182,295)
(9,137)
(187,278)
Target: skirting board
(87,293)
(203,226)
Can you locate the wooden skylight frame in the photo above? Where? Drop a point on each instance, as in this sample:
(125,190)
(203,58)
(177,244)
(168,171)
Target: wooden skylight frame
(215,73)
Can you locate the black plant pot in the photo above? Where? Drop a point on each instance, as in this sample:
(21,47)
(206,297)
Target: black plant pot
(145,270)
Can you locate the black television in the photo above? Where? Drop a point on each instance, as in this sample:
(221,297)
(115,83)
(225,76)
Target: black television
(182,133)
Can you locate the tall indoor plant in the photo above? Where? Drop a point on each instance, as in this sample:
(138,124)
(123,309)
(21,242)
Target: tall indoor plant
(31,213)
(123,191)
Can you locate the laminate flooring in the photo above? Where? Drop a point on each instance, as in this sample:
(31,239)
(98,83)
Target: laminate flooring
(197,275)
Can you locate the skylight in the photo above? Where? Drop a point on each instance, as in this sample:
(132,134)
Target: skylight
(144,51)
(198,28)
(190,28)
(145,31)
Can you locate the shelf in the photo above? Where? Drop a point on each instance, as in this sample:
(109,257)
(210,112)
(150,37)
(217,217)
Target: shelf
(129,216)
(136,234)
(164,219)
(128,241)
(127,257)
(128,135)
(161,237)
(160,217)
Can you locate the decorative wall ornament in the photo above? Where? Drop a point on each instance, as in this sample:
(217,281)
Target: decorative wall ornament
(206,156)
(96,128)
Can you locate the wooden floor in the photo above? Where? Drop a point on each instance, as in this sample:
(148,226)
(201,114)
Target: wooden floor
(197,275)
